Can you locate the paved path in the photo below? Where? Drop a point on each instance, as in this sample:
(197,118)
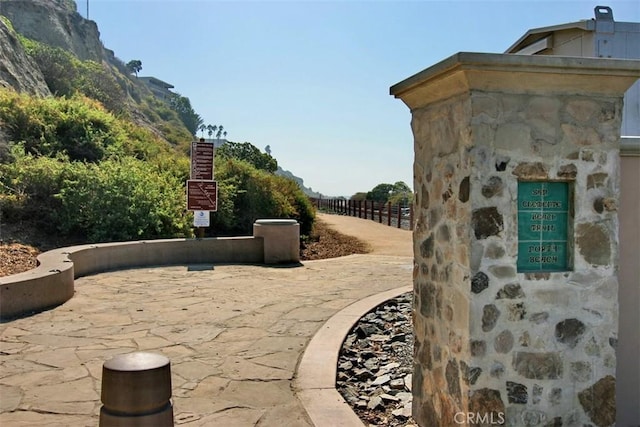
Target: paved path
(234,334)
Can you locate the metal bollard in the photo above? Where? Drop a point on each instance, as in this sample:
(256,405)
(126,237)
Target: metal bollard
(136,391)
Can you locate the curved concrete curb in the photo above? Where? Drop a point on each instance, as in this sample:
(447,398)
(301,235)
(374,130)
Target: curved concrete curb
(315,382)
(52,282)
(275,241)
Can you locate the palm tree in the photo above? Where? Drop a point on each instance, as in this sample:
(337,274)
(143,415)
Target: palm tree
(202,128)
(224,134)
(210,130)
(220,129)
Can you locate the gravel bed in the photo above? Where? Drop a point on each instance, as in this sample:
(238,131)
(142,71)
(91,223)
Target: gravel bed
(376,363)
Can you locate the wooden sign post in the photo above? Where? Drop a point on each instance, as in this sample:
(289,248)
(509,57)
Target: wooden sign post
(202,190)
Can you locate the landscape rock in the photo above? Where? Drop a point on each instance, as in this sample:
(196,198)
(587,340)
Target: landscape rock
(376,364)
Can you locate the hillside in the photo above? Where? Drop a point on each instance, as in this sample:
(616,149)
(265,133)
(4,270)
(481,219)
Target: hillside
(47,47)
(88,153)
(57,23)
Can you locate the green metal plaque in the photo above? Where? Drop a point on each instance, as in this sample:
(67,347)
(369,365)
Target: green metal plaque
(543,224)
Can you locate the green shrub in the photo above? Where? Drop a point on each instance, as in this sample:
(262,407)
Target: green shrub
(66,75)
(250,154)
(247,194)
(117,199)
(122,200)
(59,67)
(77,127)
(97,82)
(28,186)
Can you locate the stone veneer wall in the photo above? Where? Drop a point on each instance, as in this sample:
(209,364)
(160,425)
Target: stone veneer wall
(442,173)
(532,349)
(543,344)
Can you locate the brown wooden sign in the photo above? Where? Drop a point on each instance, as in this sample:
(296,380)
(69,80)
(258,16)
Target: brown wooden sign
(202,195)
(202,160)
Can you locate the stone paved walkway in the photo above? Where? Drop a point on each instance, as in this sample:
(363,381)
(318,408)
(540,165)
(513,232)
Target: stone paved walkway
(234,334)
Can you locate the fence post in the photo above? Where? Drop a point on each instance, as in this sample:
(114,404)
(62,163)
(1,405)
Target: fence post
(389,214)
(380,208)
(411,217)
(399,215)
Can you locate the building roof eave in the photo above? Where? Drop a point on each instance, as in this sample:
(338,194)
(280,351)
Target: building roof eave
(536,34)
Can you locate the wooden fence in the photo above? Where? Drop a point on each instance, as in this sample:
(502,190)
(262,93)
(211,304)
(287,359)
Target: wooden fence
(385,213)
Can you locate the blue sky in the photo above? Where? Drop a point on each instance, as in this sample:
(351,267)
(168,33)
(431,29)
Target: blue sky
(311,78)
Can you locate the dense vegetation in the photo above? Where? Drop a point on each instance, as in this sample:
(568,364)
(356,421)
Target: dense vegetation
(77,165)
(398,193)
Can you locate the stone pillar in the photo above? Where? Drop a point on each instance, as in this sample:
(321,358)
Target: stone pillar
(500,336)
(281,240)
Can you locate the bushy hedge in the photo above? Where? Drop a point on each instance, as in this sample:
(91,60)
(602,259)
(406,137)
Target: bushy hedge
(77,127)
(127,199)
(78,171)
(247,194)
(116,199)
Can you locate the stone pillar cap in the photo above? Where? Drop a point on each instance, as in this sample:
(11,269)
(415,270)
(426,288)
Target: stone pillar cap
(276,222)
(511,73)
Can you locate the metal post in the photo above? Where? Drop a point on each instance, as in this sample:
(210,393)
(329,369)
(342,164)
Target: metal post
(136,391)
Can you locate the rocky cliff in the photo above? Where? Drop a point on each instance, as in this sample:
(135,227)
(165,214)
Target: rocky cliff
(17,70)
(52,22)
(56,23)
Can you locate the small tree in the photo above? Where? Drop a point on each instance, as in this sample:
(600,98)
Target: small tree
(249,153)
(380,193)
(181,105)
(134,66)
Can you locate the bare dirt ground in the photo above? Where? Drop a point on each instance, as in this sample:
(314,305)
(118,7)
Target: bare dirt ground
(326,242)
(18,252)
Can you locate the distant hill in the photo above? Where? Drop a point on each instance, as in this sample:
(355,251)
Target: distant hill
(308,191)
(57,23)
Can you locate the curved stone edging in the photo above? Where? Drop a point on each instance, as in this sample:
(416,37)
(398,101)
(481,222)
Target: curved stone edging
(315,382)
(52,282)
